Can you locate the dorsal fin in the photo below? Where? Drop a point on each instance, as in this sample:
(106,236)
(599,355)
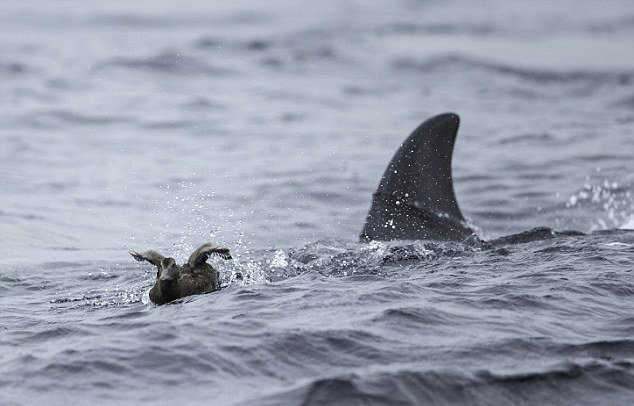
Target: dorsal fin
(415,198)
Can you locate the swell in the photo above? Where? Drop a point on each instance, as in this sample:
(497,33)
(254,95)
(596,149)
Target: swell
(167,62)
(544,76)
(567,383)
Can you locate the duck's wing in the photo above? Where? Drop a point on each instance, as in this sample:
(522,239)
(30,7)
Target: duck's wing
(150,256)
(203,252)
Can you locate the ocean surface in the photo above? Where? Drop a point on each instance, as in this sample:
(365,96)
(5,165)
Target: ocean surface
(265,127)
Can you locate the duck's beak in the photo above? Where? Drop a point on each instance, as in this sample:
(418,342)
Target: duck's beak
(169,270)
(166,277)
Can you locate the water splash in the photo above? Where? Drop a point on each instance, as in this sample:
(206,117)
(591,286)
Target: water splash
(612,204)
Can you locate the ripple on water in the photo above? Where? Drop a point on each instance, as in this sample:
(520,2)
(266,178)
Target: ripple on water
(582,383)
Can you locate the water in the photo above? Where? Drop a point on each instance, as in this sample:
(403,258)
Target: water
(265,128)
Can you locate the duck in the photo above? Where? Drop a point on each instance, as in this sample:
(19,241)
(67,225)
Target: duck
(175,281)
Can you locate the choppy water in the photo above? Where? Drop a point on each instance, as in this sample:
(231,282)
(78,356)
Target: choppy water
(265,127)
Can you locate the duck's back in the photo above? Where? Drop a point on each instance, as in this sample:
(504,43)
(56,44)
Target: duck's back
(197,280)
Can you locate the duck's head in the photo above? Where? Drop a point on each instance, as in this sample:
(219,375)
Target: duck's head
(168,274)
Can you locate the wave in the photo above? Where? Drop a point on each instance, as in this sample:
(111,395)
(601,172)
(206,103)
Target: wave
(167,62)
(15,68)
(579,383)
(546,76)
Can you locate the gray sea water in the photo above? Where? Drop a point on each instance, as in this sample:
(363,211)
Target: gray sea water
(265,127)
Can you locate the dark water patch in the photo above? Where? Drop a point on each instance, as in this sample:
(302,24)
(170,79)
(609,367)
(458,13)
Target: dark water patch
(15,68)
(582,384)
(103,202)
(318,53)
(299,49)
(610,350)
(530,194)
(529,139)
(533,175)
(618,289)
(60,83)
(535,75)
(258,45)
(321,392)
(626,102)
(598,258)
(568,382)
(464,28)
(313,44)
(561,249)
(14,145)
(125,317)
(272,62)
(133,21)
(292,117)
(526,301)
(623,23)
(82,368)
(527,347)
(357,90)
(148,20)
(474,178)
(444,286)
(146,326)
(503,251)
(311,351)
(520,302)
(603,158)
(396,291)
(54,333)
(535,234)
(12,276)
(626,119)
(408,318)
(252,45)
(623,324)
(574,288)
(169,362)
(63,248)
(167,125)
(210,43)
(62,118)
(249,295)
(33,284)
(76,118)
(322,196)
(203,103)
(304,225)
(168,62)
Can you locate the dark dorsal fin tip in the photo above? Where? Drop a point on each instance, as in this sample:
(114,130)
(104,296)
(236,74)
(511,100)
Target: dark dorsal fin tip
(418,180)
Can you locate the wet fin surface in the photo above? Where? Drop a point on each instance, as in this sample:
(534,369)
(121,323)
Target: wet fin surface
(415,198)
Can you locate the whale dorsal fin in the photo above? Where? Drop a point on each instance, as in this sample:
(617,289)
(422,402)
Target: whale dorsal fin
(415,198)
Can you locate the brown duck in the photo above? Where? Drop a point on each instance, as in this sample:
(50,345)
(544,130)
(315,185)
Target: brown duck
(193,278)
